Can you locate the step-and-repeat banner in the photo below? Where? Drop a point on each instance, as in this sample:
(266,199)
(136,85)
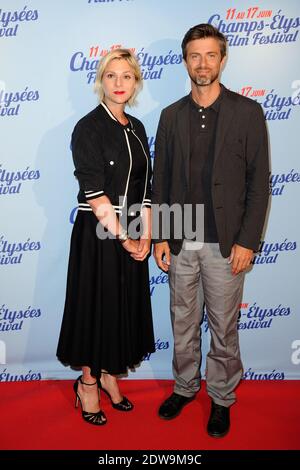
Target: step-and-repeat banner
(49,51)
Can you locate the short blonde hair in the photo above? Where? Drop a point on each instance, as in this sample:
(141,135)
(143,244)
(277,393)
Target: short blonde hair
(119,54)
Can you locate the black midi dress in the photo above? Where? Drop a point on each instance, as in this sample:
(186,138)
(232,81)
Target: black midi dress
(107,321)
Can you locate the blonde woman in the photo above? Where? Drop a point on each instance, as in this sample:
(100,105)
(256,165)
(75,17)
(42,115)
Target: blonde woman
(107,323)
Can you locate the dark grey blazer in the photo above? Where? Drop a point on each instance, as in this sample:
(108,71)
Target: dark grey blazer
(240,177)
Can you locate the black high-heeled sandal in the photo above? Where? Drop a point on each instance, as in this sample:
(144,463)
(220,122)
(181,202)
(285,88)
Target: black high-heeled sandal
(97,418)
(123,405)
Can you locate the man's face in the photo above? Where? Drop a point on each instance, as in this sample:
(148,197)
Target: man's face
(203,61)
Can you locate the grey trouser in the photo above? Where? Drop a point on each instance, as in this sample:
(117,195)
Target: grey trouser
(197,277)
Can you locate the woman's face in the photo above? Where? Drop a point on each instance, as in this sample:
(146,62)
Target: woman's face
(118,82)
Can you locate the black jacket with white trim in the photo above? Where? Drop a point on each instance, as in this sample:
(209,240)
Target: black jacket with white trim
(102,158)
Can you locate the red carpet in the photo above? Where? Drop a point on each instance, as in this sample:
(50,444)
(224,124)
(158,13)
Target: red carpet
(41,415)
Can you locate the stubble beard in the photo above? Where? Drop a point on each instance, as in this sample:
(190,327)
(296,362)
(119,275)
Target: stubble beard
(203,81)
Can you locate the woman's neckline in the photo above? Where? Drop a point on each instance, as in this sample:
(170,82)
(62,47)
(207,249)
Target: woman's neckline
(113,116)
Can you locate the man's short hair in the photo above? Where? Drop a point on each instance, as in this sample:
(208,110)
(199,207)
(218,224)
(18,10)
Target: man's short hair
(201,31)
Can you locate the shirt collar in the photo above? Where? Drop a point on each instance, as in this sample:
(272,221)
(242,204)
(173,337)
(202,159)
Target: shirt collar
(215,105)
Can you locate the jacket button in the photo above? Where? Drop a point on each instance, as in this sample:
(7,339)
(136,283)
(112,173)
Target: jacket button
(111,162)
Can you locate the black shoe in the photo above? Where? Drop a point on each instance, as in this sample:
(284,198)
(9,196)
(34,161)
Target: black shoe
(123,405)
(97,418)
(219,420)
(173,405)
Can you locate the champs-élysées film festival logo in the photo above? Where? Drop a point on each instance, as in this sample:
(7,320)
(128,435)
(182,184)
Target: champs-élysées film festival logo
(256,26)
(255,316)
(12,319)
(15,252)
(26,376)
(12,181)
(12,101)
(276,105)
(12,21)
(152,65)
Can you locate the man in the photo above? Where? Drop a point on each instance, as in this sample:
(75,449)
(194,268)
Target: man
(211,149)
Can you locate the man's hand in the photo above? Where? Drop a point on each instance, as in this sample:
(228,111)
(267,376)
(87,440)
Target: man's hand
(162,256)
(240,258)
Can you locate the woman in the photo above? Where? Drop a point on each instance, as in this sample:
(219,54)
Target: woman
(107,323)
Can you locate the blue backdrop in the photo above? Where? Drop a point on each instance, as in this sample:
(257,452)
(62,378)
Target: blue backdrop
(49,54)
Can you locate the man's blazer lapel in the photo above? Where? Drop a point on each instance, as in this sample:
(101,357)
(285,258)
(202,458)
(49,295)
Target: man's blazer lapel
(183,129)
(225,117)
